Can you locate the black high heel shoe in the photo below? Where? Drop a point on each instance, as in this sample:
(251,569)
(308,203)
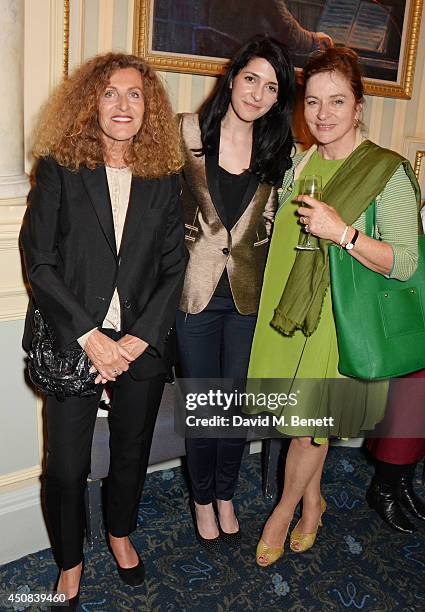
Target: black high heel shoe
(133,576)
(233,540)
(72,603)
(212,545)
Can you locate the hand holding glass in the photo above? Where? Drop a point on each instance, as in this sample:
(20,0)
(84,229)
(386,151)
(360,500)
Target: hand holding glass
(311,185)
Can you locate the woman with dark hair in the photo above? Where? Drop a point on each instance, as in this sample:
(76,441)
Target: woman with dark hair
(295,337)
(237,151)
(104,252)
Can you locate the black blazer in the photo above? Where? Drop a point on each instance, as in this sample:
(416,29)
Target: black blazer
(68,242)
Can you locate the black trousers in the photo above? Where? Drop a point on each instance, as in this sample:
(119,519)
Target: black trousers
(70,426)
(215,343)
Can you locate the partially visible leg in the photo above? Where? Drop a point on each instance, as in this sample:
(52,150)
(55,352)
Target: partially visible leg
(229,456)
(302,462)
(311,501)
(199,340)
(70,426)
(132,419)
(238,332)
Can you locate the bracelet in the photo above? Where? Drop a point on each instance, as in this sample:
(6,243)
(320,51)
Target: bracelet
(344,233)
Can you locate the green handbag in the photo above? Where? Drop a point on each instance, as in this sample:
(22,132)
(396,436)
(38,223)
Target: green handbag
(380,322)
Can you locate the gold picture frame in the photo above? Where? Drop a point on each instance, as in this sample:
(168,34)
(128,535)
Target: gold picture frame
(66,14)
(414,151)
(419,169)
(418,163)
(410,12)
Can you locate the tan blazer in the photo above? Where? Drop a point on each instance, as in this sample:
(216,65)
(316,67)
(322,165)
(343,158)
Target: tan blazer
(212,248)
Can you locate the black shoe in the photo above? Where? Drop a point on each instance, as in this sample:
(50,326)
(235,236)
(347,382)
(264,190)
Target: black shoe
(406,496)
(233,540)
(133,576)
(381,498)
(212,545)
(72,603)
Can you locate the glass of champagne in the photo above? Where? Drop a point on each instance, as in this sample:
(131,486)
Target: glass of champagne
(312,186)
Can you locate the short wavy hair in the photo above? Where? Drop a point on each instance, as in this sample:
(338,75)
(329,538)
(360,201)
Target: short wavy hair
(68,128)
(336,59)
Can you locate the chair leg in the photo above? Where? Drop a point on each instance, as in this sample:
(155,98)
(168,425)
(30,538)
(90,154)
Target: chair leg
(270,458)
(94,517)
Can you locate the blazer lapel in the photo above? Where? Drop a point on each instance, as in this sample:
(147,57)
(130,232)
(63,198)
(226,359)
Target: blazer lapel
(211,171)
(250,190)
(96,184)
(139,202)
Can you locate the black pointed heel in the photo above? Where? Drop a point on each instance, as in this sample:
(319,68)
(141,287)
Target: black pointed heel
(232,540)
(212,545)
(133,576)
(72,603)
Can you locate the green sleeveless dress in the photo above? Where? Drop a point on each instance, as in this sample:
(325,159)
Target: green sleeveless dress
(300,364)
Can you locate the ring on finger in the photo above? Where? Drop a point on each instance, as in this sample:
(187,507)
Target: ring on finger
(306,227)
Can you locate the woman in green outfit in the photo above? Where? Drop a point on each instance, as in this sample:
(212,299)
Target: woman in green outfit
(295,337)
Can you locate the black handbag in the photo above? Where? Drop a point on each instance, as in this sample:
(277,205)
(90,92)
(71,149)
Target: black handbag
(64,373)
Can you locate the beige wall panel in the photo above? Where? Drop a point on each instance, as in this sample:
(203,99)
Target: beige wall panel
(184,97)
(105,26)
(130,26)
(399,120)
(13,295)
(76,33)
(91,28)
(415,120)
(120,26)
(19,429)
(375,118)
(417,104)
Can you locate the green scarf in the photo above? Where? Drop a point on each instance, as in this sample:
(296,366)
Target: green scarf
(362,176)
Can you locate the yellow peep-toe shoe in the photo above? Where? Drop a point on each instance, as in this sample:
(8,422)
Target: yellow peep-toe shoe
(300,542)
(270,554)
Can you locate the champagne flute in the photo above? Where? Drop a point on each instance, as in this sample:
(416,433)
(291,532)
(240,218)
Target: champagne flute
(311,186)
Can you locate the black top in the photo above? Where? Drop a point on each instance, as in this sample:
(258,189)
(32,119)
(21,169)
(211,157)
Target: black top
(232,190)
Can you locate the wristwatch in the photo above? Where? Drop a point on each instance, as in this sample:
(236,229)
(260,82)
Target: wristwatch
(350,245)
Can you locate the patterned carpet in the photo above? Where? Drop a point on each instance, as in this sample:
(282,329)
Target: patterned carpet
(356,564)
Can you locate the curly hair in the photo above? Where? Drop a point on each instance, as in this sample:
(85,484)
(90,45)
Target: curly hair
(68,128)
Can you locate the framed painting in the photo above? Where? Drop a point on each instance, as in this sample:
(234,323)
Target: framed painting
(199,36)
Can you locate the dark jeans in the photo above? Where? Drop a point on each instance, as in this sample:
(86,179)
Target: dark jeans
(70,426)
(215,343)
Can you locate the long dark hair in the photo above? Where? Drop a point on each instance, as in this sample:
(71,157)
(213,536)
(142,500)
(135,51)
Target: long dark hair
(272,137)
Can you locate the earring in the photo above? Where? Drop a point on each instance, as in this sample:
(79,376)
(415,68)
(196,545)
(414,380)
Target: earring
(356,123)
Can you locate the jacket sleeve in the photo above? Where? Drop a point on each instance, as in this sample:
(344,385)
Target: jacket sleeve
(39,242)
(154,323)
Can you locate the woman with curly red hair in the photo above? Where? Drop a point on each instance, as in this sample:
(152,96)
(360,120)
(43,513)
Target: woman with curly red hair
(104,252)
